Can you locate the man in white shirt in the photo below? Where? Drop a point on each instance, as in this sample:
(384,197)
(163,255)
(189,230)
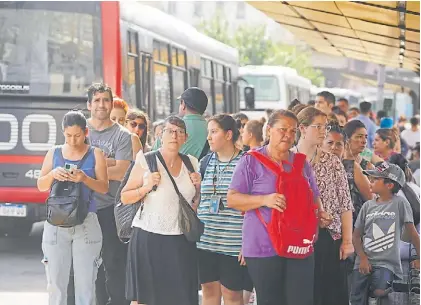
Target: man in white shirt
(412,135)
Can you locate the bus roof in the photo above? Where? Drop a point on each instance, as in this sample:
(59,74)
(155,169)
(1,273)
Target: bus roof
(173,29)
(290,75)
(338,92)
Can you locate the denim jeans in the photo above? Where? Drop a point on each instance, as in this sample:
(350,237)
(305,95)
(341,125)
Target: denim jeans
(80,245)
(114,254)
(363,285)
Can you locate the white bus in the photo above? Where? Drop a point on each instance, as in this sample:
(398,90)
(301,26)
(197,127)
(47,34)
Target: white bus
(274,86)
(353,97)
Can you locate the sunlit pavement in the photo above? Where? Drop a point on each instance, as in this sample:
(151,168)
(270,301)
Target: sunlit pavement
(23,298)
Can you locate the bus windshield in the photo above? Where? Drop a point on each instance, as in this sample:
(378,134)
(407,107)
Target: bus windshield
(266,87)
(49,48)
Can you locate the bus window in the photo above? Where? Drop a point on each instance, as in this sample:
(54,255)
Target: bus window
(304,95)
(219,88)
(179,76)
(266,87)
(162,80)
(132,87)
(47,50)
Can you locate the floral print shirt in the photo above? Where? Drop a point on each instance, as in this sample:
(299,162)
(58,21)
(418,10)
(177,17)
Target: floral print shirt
(333,185)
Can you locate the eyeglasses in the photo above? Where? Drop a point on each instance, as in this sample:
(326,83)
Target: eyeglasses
(177,132)
(135,124)
(325,128)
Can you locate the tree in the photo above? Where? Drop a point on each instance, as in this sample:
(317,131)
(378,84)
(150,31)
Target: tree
(216,28)
(298,58)
(252,45)
(255,48)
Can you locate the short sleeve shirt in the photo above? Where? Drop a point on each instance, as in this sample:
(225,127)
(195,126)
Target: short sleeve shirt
(381,225)
(334,190)
(116,143)
(222,230)
(251,177)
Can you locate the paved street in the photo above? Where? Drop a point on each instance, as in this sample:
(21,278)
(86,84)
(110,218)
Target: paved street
(22,278)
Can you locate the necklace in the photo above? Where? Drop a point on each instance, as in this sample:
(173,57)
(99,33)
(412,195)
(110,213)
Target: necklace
(312,158)
(273,159)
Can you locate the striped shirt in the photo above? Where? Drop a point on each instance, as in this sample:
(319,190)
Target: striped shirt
(223,231)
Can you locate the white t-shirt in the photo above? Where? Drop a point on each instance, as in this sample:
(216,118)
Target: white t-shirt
(411,137)
(161,207)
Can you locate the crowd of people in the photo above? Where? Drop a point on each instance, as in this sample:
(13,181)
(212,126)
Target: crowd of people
(357,180)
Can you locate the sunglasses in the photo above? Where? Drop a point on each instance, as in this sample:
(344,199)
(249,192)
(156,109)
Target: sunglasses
(135,124)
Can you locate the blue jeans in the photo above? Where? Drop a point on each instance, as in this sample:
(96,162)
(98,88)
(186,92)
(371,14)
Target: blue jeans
(80,245)
(364,285)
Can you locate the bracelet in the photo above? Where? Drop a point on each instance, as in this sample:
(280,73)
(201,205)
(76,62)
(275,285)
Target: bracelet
(138,192)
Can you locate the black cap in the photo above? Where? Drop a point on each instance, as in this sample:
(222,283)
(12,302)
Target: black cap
(195,98)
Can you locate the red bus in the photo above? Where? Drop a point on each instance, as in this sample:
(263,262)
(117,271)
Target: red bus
(50,52)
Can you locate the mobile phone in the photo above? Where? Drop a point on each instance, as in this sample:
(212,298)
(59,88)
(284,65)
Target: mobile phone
(70,167)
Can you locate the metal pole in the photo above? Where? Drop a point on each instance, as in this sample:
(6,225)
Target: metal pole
(381,76)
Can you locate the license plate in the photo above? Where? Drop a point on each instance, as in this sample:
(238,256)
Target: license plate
(12,210)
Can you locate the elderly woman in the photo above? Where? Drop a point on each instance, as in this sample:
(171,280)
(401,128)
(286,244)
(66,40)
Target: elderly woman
(335,241)
(79,245)
(277,280)
(162,263)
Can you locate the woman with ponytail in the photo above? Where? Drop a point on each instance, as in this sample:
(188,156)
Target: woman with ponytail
(222,270)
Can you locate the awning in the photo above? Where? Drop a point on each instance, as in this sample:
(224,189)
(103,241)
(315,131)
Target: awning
(382,32)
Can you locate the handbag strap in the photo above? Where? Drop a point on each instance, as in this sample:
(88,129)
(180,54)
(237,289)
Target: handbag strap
(161,159)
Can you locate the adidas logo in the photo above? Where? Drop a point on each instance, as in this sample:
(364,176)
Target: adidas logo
(380,241)
(384,215)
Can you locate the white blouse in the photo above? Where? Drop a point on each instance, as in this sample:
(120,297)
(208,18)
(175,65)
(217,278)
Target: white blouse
(161,207)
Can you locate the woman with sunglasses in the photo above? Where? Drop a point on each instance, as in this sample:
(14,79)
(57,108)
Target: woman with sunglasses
(334,243)
(241,120)
(118,115)
(221,268)
(137,122)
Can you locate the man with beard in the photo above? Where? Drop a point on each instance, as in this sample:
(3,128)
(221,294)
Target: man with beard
(115,142)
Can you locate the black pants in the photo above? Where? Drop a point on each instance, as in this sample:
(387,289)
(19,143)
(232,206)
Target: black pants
(282,281)
(330,273)
(114,256)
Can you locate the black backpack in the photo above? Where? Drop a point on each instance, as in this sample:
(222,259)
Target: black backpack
(125,213)
(65,204)
(414,201)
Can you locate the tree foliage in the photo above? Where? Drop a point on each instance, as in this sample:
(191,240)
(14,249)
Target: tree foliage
(255,48)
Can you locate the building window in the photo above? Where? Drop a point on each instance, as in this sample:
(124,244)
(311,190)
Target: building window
(198,8)
(241,10)
(172,7)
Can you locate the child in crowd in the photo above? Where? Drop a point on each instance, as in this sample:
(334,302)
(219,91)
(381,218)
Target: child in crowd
(378,230)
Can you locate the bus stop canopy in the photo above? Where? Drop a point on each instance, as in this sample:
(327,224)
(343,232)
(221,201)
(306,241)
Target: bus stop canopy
(382,32)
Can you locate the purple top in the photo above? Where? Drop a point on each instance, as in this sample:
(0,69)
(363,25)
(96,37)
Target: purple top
(251,177)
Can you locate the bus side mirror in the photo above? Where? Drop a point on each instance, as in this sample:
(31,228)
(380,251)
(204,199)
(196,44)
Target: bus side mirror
(249,97)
